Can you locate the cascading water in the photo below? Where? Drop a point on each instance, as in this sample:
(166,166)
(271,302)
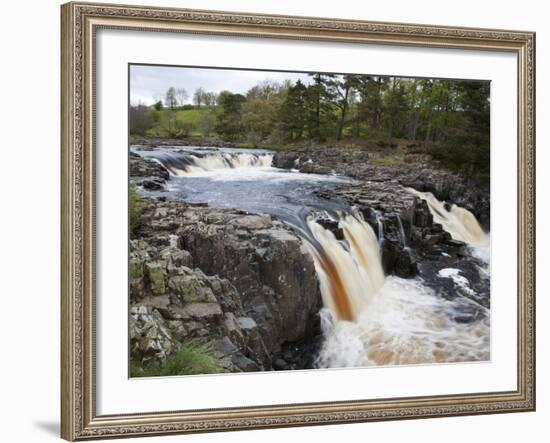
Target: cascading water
(461,224)
(380,225)
(402,236)
(348,277)
(185,163)
(457,221)
(240,178)
(370,319)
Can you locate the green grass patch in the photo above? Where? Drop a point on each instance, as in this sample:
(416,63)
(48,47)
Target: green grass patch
(192,359)
(192,116)
(191,119)
(181,123)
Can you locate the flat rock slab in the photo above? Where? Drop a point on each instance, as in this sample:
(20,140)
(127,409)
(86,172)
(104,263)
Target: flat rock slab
(253,222)
(198,311)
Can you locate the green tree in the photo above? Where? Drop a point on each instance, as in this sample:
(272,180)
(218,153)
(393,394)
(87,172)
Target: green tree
(158,105)
(258,118)
(371,105)
(228,123)
(339,90)
(396,109)
(415,100)
(318,107)
(449,118)
(467,143)
(207,122)
(265,90)
(293,111)
(260,110)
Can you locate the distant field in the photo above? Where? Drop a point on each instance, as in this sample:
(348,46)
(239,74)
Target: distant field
(190,115)
(193,117)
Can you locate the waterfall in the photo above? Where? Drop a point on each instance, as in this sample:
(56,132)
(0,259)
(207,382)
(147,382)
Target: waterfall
(380,224)
(457,221)
(180,163)
(349,274)
(370,319)
(402,236)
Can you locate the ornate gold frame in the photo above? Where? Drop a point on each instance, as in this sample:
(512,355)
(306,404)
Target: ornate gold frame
(79,420)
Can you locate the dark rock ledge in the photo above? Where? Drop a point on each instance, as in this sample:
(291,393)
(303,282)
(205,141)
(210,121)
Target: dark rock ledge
(242,282)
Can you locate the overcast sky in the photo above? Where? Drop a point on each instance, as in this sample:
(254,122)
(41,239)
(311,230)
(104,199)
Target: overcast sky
(149,83)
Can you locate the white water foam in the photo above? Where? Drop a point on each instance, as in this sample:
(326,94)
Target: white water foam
(459,280)
(406,323)
(219,161)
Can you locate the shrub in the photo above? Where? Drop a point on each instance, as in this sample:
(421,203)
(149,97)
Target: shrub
(192,359)
(184,128)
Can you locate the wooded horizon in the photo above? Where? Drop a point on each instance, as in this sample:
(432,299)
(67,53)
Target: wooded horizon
(450,119)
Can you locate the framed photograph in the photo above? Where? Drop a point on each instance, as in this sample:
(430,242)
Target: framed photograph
(277,221)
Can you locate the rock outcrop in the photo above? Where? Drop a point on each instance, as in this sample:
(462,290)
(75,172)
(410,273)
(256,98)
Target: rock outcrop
(240,281)
(147,173)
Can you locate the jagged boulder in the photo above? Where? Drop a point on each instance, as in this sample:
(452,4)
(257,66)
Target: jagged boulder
(147,172)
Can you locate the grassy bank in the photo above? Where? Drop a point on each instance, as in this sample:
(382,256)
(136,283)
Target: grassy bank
(191,359)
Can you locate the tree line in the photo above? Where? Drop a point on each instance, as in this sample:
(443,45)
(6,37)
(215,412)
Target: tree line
(450,118)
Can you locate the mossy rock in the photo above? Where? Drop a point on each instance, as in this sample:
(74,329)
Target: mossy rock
(190,289)
(136,269)
(156,271)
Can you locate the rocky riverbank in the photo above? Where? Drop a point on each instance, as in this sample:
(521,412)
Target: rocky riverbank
(238,281)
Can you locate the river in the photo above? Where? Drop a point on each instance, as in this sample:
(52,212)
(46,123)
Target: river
(369,318)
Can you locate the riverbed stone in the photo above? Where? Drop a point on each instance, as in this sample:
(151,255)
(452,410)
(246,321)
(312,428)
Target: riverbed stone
(150,337)
(251,267)
(197,311)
